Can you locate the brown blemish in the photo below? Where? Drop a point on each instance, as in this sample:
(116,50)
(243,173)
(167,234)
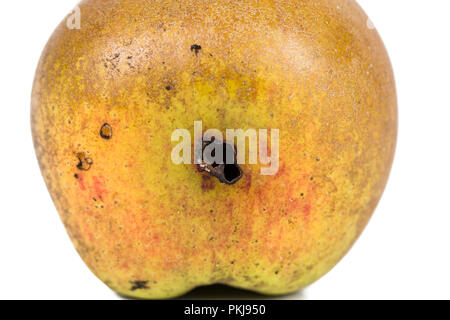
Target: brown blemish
(76,175)
(106,131)
(83,162)
(207,183)
(138,285)
(225,173)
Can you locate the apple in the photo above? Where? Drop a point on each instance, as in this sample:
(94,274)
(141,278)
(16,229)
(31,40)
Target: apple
(309,77)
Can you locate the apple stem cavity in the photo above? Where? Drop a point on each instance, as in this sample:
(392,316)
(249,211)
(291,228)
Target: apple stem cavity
(225,171)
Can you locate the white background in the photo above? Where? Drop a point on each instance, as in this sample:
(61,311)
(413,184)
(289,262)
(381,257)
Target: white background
(404,251)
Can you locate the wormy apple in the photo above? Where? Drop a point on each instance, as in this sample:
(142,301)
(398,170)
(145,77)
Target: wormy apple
(109,94)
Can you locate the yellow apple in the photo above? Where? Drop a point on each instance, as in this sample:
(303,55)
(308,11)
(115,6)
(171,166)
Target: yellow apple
(110,92)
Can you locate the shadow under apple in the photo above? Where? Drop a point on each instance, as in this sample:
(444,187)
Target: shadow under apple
(224,292)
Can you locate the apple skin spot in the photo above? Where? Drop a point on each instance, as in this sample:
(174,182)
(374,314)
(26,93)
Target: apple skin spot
(207,183)
(99,187)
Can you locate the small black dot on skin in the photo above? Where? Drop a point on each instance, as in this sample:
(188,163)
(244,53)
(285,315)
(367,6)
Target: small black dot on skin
(168,87)
(196,48)
(76,175)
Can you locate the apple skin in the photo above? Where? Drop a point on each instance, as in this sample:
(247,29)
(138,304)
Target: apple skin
(314,69)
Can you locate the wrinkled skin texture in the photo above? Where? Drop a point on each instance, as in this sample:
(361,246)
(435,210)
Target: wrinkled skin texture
(151,229)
